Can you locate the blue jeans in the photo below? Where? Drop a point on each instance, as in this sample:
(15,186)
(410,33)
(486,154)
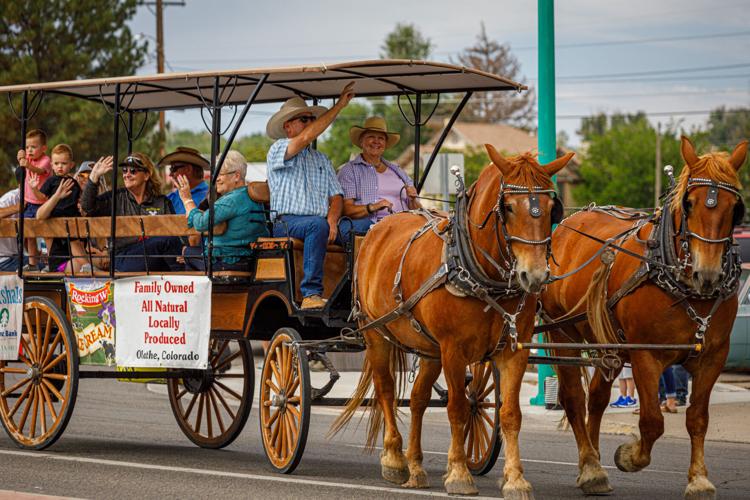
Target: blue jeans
(11,265)
(161,251)
(313,230)
(358,226)
(667,378)
(196,261)
(681,382)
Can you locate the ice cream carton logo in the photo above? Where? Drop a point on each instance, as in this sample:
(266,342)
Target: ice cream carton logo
(92,315)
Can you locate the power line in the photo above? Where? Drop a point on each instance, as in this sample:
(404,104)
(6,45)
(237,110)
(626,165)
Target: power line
(652,113)
(655,72)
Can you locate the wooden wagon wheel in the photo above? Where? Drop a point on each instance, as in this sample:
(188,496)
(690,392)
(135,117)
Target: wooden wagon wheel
(284,401)
(38,392)
(482,434)
(212,406)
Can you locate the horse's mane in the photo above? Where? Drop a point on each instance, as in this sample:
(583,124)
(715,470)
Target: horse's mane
(713,166)
(526,172)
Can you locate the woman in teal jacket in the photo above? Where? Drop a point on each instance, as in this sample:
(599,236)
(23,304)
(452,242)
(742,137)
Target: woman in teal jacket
(244,218)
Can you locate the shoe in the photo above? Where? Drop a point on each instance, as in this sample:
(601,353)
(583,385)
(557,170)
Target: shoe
(87,269)
(313,302)
(665,408)
(630,402)
(681,402)
(30,268)
(620,403)
(45,269)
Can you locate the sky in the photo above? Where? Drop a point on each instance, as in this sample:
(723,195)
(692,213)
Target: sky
(673,59)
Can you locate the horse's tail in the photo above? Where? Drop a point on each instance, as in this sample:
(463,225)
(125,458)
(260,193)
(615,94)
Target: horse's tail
(397,362)
(597,310)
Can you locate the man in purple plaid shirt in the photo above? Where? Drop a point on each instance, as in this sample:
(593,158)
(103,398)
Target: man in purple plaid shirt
(373,187)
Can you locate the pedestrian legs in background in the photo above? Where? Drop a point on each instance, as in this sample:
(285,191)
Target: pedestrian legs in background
(627,397)
(681,384)
(670,405)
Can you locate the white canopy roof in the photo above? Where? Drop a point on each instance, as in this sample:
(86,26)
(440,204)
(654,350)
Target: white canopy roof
(196,89)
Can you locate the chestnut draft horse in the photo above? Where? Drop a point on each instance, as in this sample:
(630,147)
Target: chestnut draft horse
(455,290)
(687,294)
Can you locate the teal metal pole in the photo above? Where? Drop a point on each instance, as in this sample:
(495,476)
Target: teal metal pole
(547,130)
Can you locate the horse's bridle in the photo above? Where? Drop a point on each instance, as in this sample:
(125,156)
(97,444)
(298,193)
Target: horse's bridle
(711,201)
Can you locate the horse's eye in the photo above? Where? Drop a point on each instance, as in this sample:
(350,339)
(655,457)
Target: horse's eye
(509,209)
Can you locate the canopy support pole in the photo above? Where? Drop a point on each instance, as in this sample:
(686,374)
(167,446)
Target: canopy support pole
(442,138)
(215,145)
(115,171)
(417,132)
(22,180)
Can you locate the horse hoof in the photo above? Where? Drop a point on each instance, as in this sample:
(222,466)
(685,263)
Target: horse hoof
(461,488)
(593,480)
(417,481)
(519,491)
(393,475)
(624,457)
(700,488)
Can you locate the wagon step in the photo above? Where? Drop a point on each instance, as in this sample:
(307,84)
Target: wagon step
(625,347)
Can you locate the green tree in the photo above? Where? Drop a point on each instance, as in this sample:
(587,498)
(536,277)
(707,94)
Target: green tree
(336,143)
(406,42)
(55,40)
(618,166)
(725,129)
(494,107)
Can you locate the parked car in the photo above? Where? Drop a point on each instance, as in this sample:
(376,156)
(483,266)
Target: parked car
(739,348)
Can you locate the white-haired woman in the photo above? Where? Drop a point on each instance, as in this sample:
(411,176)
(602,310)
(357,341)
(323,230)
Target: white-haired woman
(244,218)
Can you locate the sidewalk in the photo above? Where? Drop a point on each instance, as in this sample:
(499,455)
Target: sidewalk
(730,407)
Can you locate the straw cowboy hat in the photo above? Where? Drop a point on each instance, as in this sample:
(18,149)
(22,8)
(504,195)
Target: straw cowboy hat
(185,155)
(375,124)
(292,107)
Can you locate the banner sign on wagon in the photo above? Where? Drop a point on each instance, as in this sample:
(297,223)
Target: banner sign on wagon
(163,321)
(11,316)
(92,315)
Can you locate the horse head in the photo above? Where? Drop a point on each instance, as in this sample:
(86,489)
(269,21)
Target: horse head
(521,194)
(707,205)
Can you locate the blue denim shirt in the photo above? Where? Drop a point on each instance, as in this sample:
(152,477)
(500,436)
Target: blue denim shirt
(198,193)
(245,224)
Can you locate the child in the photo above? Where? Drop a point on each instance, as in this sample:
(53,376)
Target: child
(34,160)
(61,192)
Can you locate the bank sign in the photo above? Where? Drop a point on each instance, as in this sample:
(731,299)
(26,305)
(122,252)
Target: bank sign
(163,321)
(11,316)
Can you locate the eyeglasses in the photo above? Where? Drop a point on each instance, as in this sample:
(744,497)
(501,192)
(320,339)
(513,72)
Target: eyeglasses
(306,119)
(175,168)
(227,173)
(133,170)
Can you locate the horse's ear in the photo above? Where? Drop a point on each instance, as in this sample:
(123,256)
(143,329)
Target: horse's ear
(501,163)
(688,151)
(738,155)
(556,165)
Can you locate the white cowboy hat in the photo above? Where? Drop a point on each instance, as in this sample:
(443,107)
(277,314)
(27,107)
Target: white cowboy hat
(292,107)
(375,124)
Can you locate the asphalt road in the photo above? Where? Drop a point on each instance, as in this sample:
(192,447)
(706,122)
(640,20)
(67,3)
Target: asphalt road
(122,442)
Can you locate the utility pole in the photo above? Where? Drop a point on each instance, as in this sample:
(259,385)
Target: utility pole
(657,166)
(160,4)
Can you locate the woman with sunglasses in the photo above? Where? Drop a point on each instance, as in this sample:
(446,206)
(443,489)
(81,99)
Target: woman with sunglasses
(141,195)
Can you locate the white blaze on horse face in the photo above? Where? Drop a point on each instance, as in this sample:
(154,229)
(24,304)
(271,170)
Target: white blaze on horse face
(713,223)
(531,259)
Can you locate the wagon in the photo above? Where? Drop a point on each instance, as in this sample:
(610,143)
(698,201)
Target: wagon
(38,390)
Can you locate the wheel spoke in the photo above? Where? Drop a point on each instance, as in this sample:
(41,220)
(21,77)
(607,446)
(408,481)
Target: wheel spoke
(228,360)
(294,410)
(16,406)
(38,334)
(293,384)
(230,391)
(35,397)
(179,395)
(477,440)
(293,420)
(275,369)
(224,403)
(52,347)
(217,411)
(199,415)
(8,369)
(281,443)
(275,437)
(486,417)
(54,362)
(56,376)
(189,409)
(483,431)
(25,413)
(47,331)
(290,437)
(53,389)
(293,400)
(28,350)
(272,386)
(14,387)
(42,411)
(215,359)
(272,419)
(485,375)
(48,399)
(209,420)
(486,391)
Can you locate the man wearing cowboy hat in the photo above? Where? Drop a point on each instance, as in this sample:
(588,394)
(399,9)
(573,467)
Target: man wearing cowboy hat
(374,187)
(304,190)
(188,162)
